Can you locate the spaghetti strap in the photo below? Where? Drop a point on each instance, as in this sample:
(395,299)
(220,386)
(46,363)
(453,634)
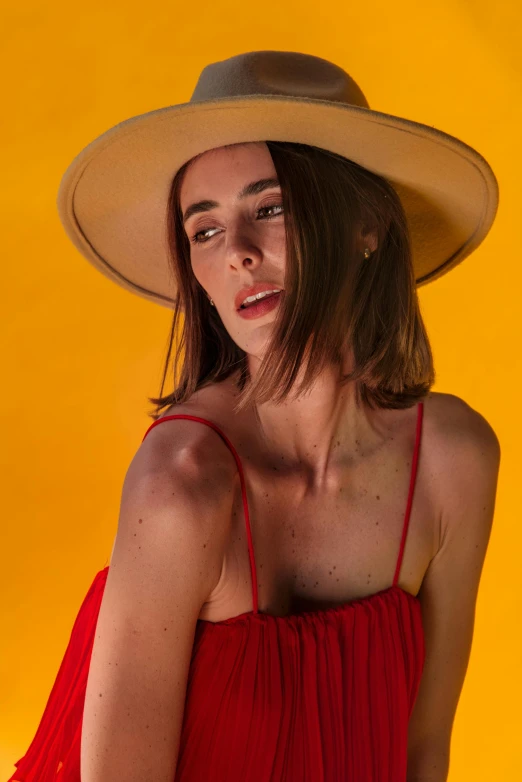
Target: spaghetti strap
(420,413)
(243,490)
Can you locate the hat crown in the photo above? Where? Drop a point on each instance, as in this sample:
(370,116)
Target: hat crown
(278,73)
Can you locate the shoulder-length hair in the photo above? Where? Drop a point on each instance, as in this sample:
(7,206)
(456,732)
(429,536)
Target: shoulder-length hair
(334,297)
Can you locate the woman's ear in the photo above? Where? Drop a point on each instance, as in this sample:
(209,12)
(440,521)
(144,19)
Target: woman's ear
(367,238)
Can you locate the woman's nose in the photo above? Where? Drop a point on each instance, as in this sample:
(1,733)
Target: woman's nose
(242,246)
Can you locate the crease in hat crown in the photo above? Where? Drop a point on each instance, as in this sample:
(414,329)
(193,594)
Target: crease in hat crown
(113,196)
(277,73)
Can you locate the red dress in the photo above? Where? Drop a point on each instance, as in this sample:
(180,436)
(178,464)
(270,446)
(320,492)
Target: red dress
(319,696)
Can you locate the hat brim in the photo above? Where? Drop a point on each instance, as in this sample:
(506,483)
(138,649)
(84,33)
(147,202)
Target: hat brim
(113,196)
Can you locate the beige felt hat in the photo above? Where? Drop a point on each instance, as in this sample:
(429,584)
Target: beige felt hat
(113,197)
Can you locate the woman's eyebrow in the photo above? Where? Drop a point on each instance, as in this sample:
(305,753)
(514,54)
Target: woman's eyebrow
(253,188)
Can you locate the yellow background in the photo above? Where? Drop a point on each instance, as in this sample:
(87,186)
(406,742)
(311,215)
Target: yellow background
(80,355)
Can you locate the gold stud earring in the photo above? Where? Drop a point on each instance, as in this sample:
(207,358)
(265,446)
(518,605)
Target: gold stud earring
(367,252)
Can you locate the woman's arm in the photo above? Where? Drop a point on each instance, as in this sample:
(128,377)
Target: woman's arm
(464,465)
(167,558)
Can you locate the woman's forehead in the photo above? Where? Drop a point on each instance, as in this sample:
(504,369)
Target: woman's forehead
(223,169)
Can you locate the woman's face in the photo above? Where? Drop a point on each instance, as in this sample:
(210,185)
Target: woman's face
(236,242)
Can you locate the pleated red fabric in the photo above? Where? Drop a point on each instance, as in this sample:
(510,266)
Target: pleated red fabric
(319,696)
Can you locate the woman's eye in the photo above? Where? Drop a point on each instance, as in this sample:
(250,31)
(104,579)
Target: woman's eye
(271,206)
(204,231)
(194,239)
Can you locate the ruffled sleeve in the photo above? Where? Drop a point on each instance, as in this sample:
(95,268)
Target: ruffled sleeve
(54,753)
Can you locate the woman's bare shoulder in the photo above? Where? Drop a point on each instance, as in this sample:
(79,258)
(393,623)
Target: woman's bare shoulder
(215,403)
(453,419)
(456,441)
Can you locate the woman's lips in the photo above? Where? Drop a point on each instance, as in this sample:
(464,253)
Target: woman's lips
(263,306)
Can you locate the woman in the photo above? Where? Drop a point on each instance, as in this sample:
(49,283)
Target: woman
(293,582)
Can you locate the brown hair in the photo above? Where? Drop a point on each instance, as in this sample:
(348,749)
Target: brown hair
(334,297)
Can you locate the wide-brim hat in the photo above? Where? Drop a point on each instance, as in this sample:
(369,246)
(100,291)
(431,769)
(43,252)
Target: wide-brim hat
(113,197)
